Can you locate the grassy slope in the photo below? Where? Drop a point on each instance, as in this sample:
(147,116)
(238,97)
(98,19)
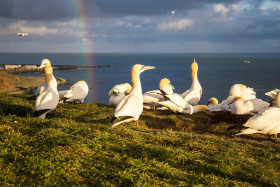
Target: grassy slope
(78,146)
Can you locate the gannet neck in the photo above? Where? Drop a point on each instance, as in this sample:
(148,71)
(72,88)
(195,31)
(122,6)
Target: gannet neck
(278,100)
(48,75)
(135,79)
(194,69)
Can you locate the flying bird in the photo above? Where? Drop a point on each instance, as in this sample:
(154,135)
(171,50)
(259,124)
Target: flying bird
(22,34)
(131,106)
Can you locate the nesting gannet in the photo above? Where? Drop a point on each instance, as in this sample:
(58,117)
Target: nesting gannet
(237,90)
(272,94)
(240,106)
(48,99)
(117,93)
(131,106)
(193,95)
(213,104)
(151,98)
(42,87)
(266,121)
(76,93)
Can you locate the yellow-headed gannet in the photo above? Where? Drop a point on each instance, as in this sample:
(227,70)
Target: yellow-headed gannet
(193,95)
(48,99)
(266,121)
(237,90)
(213,104)
(131,106)
(151,98)
(252,106)
(176,102)
(117,93)
(76,93)
(272,94)
(42,87)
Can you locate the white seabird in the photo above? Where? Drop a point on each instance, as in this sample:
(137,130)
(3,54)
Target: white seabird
(272,94)
(151,98)
(193,95)
(266,121)
(48,99)
(22,34)
(117,93)
(76,93)
(252,106)
(237,90)
(213,104)
(176,102)
(42,87)
(131,106)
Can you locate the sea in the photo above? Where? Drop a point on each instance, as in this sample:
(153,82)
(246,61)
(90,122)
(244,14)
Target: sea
(217,72)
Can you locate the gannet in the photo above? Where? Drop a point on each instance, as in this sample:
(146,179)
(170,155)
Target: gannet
(151,98)
(76,93)
(176,102)
(131,106)
(213,104)
(237,90)
(117,93)
(42,87)
(193,95)
(48,99)
(252,106)
(272,94)
(266,121)
(22,34)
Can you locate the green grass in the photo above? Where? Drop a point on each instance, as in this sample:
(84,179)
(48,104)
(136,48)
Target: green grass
(77,146)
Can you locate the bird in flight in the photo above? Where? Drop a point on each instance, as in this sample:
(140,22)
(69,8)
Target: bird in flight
(22,34)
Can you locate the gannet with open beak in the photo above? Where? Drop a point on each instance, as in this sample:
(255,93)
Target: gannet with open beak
(42,87)
(48,99)
(131,106)
(252,106)
(193,95)
(266,121)
(76,94)
(151,98)
(117,93)
(213,105)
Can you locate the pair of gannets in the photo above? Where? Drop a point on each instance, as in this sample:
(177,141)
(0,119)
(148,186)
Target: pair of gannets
(117,93)
(191,96)
(266,121)
(176,102)
(48,99)
(42,87)
(76,93)
(131,106)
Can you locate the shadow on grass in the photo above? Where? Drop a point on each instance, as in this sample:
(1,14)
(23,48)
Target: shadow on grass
(18,110)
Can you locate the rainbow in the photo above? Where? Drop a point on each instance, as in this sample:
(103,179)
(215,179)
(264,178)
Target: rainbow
(86,47)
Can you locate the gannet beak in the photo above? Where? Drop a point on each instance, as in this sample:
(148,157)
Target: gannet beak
(144,68)
(172,87)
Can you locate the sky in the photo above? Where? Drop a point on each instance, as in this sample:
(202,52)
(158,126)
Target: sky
(140,26)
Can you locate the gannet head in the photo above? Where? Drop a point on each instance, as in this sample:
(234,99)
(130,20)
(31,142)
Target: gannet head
(194,68)
(213,101)
(141,68)
(165,86)
(236,90)
(272,93)
(128,87)
(45,62)
(48,70)
(238,100)
(81,82)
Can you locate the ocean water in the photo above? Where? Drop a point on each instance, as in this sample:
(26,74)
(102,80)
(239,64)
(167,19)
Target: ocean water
(216,73)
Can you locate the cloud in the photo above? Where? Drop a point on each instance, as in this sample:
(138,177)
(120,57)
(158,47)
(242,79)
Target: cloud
(220,8)
(21,26)
(181,24)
